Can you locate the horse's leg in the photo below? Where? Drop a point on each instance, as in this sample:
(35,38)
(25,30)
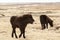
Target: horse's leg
(12,32)
(15,32)
(24,33)
(21,33)
(47,25)
(43,26)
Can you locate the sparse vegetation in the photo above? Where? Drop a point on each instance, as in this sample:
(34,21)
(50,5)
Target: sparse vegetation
(34,32)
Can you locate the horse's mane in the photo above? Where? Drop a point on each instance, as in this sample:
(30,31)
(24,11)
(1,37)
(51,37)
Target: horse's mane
(24,17)
(49,20)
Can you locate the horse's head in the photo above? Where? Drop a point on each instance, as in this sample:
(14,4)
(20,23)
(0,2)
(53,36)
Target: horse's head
(29,18)
(51,23)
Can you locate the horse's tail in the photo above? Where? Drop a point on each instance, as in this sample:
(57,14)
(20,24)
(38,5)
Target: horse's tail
(12,19)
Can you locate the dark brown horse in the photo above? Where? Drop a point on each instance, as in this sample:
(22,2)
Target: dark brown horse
(21,23)
(45,20)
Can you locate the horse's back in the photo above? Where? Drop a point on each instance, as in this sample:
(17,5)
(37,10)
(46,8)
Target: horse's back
(43,19)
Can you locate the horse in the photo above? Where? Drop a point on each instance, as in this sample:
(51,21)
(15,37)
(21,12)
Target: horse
(45,20)
(21,23)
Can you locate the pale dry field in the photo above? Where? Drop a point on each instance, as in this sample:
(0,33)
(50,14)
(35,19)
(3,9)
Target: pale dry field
(33,31)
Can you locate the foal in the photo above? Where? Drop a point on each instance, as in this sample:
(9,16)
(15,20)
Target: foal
(45,20)
(21,23)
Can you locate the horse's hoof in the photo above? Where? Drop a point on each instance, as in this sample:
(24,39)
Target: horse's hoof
(19,36)
(16,37)
(24,37)
(42,29)
(12,36)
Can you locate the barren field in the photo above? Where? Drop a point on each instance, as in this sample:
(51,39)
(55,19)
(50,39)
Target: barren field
(33,31)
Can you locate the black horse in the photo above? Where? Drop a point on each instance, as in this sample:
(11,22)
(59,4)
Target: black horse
(21,23)
(45,20)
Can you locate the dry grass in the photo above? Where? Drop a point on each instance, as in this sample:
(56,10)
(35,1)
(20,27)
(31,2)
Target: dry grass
(33,31)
